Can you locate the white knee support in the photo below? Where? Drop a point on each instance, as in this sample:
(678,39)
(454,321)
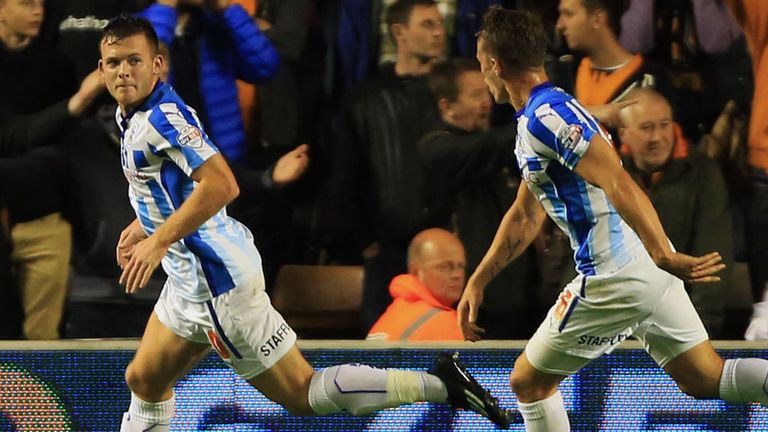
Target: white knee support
(356,389)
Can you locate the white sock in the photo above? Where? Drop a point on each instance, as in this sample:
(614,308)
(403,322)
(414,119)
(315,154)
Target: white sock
(547,415)
(144,416)
(360,389)
(745,380)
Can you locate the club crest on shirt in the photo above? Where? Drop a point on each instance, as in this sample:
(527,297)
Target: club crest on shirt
(190,136)
(570,136)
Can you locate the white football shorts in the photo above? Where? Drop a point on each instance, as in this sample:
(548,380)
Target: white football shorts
(241,325)
(594,314)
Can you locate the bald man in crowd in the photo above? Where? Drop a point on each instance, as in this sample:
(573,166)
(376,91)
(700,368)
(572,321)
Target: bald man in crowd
(424,302)
(686,188)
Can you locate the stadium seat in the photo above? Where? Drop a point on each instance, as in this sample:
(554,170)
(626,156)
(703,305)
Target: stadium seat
(320,301)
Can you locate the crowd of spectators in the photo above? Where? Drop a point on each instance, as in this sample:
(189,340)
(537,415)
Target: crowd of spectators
(355,125)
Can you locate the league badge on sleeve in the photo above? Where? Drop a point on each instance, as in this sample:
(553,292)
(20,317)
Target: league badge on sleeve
(570,136)
(190,136)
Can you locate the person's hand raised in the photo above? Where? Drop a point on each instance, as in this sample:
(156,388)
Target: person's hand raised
(291,166)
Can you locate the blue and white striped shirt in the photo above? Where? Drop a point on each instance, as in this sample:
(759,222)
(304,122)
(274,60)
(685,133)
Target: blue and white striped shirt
(162,143)
(554,132)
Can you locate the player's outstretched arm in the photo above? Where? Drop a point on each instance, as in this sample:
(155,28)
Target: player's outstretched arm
(216,187)
(600,166)
(517,230)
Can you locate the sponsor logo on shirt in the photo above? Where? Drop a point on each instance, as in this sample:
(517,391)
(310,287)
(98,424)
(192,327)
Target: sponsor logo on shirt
(190,136)
(570,136)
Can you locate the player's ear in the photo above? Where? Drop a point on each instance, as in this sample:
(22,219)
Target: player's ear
(157,64)
(496,66)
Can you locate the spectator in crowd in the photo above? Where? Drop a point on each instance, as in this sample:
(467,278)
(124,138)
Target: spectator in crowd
(424,299)
(11,314)
(277,118)
(22,133)
(752,15)
(33,77)
(387,51)
(469,180)
(374,192)
(284,23)
(687,190)
(211,43)
(362,44)
(715,29)
(18,135)
(608,70)
(74,26)
(94,184)
(705,55)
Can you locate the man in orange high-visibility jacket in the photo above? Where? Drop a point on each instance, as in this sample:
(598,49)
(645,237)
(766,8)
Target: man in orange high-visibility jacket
(424,299)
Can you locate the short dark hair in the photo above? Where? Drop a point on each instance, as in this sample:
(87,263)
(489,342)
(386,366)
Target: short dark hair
(514,37)
(125,26)
(444,77)
(399,12)
(615,9)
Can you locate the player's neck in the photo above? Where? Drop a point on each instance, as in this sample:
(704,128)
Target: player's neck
(519,87)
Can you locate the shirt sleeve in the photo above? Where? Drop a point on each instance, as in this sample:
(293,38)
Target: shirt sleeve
(562,132)
(179,137)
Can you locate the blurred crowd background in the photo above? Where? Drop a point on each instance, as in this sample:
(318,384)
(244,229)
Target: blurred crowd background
(411,163)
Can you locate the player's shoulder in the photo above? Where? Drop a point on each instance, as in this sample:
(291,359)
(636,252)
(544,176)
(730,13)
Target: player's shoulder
(175,126)
(167,105)
(169,116)
(562,111)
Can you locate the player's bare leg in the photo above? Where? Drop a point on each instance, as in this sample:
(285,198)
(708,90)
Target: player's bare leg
(161,360)
(287,383)
(697,371)
(539,401)
(702,373)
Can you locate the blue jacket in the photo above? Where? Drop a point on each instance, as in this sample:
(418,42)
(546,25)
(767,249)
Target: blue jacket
(232,46)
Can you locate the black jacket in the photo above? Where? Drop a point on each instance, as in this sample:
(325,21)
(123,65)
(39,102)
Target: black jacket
(471,175)
(32,79)
(21,133)
(375,168)
(454,161)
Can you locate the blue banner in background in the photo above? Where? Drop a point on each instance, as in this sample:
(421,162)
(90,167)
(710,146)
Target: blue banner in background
(84,391)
